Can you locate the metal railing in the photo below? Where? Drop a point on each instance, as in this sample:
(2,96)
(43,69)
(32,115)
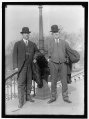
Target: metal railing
(75,77)
(11,85)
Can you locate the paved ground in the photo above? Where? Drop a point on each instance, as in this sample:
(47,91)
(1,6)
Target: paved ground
(76,94)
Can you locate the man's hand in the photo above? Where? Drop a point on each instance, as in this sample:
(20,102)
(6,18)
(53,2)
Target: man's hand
(67,60)
(34,60)
(48,60)
(16,69)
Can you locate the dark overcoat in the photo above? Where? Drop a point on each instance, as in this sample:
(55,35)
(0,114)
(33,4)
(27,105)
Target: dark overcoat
(40,70)
(19,53)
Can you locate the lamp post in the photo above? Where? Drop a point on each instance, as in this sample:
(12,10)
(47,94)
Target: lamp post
(41,38)
(44,92)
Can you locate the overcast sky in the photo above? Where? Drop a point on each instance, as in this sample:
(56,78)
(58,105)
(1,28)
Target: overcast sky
(71,18)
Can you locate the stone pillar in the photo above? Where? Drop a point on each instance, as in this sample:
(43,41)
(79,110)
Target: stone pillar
(44,92)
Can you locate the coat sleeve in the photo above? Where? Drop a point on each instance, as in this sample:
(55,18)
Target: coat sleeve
(35,48)
(36,51)
(15,56)
(49,49)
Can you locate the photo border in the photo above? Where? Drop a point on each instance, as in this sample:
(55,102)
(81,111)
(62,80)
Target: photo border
(85,6)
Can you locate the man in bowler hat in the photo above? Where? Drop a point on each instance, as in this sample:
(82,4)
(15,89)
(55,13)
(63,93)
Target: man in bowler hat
(23,54)
(57,64)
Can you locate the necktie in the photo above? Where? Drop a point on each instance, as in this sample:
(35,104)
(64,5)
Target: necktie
(26,42)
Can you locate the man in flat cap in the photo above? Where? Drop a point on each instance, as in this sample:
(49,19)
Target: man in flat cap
(57,52)
(23,54)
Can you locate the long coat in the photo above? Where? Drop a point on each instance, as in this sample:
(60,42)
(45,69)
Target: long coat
(19,53)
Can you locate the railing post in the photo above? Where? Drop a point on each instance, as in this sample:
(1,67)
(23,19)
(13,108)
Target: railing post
(34,87)
(14,87)
(11,88)
(7,92)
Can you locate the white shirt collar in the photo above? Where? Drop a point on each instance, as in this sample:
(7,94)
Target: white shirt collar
(57,40)
(25,40)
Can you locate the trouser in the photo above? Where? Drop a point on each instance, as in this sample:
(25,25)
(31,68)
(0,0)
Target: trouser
(24,82)
(55,69)
(69,78)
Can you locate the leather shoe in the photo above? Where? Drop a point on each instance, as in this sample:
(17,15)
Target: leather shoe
(68,101)
(51,100)
(20,105)
(29,99)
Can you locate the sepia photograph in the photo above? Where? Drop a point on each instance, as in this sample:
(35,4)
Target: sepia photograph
(45,52)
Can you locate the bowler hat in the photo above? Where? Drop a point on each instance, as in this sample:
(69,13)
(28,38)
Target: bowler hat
(54,28)
(25,30)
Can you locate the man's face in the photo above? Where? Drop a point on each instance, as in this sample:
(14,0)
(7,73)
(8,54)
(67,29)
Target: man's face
(56,35)
(26,36)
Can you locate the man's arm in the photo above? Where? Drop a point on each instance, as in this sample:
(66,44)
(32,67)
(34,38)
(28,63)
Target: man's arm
(36,49)
(15,57)
(49,50)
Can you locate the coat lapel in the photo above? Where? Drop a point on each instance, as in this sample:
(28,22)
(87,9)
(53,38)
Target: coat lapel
(22,46)
(29,43)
